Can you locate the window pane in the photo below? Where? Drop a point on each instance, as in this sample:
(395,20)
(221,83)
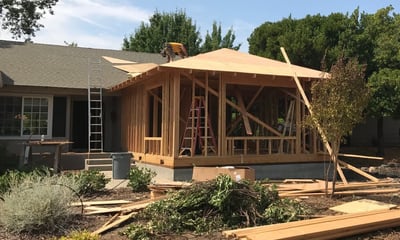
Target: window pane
(10,115)
(36,112)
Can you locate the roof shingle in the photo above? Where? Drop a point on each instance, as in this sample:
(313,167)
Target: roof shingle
(32,64)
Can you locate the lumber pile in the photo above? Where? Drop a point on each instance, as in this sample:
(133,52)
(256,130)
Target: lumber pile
(317,188)
(122,211)
(331,227)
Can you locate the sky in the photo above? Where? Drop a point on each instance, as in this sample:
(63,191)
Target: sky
(104,23)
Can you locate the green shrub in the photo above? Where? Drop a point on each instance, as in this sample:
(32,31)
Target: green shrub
(285,210)
(214,205)
(37,203)
(139,178)
(90,181)
(14,177)
(138,232)
(81,235)
(205,207)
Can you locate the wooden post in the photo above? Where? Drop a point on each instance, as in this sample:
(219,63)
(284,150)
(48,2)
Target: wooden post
(298,123)
(176,115)
(222,151)
(307,103)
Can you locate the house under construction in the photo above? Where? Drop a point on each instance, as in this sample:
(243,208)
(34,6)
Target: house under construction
(216,109)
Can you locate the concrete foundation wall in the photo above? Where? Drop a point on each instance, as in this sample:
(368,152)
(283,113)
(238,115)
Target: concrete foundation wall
(271,172)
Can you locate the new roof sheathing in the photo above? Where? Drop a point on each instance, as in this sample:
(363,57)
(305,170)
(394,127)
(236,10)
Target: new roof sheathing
(224,60)
(227,60)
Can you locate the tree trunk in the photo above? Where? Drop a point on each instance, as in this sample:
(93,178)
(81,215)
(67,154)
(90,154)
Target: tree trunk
(335,150)
(380,138)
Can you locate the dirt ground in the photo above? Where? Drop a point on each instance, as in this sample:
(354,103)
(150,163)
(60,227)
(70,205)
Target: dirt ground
(320,205)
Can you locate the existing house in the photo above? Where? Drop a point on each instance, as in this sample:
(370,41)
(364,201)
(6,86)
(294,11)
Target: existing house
(216,109)
(44,91)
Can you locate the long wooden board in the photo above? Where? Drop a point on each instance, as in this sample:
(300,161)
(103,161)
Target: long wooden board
(330,227)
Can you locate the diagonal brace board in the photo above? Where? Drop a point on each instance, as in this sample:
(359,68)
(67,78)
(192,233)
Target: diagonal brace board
(320,130)
(243,111)
(308,105)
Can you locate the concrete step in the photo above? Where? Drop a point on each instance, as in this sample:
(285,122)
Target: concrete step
(98,161)
(99,167)
(102,167)
(100,164)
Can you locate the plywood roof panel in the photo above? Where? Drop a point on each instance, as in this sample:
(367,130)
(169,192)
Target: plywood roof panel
(227,60)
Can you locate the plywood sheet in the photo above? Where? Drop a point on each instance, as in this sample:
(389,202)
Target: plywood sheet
(362,205)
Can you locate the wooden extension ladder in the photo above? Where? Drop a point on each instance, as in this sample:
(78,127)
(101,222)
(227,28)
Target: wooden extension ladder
(198,134)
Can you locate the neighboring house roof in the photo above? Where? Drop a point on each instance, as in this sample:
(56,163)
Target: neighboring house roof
(224,60)
(32,64)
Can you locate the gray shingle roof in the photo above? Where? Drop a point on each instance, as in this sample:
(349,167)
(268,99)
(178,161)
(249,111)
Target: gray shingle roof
(32,64)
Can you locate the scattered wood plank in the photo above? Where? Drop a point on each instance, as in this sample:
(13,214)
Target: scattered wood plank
(360,156)
(113,223)
(122,213)
(346,193)
(296,180)
(331,227)
(359,171)
(318,188)
(92,203)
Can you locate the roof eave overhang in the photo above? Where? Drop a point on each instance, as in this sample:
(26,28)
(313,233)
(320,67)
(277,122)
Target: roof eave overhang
(134,78)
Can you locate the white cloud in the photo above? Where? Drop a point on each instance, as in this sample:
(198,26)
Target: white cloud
(89,23)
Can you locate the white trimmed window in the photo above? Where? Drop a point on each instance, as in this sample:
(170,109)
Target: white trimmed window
(25,116)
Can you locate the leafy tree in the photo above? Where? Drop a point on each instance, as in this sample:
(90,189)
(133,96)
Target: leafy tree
(177,27)
(338,103)
(382,33)
(215,41)
(310,39)
(374,39)
(164,27)
(22,17)
(385,102)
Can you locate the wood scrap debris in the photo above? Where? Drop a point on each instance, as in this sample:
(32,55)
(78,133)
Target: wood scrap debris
(158,190)
(331,227)
(123,210)
(92,203)
(317,187)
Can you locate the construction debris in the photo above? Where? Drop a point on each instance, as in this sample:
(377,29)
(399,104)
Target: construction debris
(391,169)
(355,221)
(123,210)
(318,187)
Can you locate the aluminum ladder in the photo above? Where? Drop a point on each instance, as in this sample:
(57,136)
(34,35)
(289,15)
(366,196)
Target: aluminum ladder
(95,105)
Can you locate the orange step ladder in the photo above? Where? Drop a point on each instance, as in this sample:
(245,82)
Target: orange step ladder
(198,134)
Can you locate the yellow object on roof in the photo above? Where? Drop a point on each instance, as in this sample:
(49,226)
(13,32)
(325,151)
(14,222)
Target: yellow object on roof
(176,47)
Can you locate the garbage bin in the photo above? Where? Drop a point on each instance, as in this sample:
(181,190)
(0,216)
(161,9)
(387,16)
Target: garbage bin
(121,165)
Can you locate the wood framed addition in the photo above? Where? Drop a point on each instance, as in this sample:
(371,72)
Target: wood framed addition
(219,108)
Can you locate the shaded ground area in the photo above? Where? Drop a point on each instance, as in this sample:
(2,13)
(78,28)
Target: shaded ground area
(320,206)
